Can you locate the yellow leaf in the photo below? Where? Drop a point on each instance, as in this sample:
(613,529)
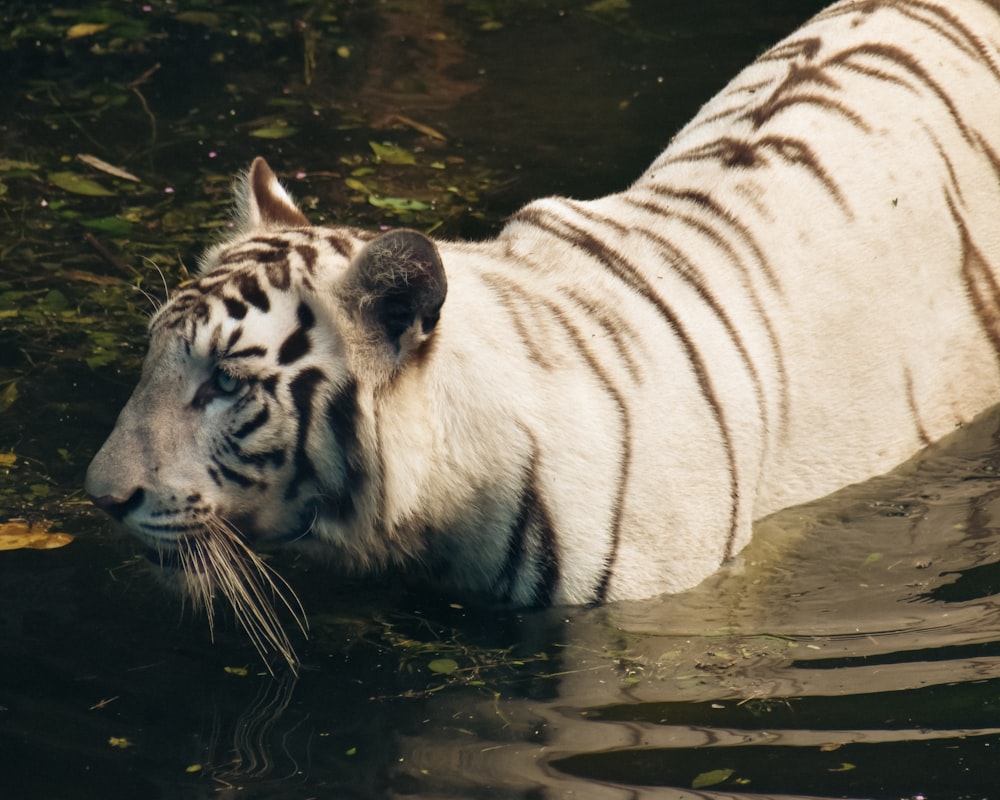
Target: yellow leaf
(82,29)
(8,459)
(121,742)
(241,671)
(17,535)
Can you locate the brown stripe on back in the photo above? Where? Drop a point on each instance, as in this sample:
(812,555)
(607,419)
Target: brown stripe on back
(717,211)
(911,400)
(687,271)
(797,48)
(505,292)
(983,291)
(797,152)
(616,327)
(630,276)
(947,26)
(908,62)
(625,460)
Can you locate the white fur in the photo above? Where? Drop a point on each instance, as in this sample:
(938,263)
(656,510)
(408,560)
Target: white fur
(847,270)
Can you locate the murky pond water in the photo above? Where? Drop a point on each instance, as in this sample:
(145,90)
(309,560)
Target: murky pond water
(853,650)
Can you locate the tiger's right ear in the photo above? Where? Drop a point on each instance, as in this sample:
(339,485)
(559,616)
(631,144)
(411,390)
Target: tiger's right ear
(397,285)
(263,202)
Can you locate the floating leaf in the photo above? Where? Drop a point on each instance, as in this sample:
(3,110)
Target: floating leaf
(71,182)
(277,130)
(8,459)
(397,203)
(711,778)
(112,225)
(193,768)
(443,666)
(356,185)
(206,18)
(844,767)
(241,671)
(392,154)
(8,396)
(82,29)
(872,558)
(104,166)
(121,742)
(13,165)
(18,535)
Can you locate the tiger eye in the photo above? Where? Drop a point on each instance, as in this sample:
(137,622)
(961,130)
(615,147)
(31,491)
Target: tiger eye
(225,382)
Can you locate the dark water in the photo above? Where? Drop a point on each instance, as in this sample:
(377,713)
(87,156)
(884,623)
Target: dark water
(853,651)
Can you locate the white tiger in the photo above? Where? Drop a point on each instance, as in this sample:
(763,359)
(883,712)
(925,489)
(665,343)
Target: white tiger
(799,293)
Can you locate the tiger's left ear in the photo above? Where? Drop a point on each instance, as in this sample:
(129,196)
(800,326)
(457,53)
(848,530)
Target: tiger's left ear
(264,203)
(397,286)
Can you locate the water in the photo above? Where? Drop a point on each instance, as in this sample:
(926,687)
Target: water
(852,651)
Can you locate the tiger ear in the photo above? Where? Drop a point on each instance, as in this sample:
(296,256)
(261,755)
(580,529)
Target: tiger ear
(397,286)
(264,203)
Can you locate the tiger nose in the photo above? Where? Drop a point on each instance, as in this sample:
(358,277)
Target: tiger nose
(117,507)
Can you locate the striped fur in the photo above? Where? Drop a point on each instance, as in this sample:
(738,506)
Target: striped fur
(799,293)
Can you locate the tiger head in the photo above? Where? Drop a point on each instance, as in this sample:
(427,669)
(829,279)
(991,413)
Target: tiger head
(247,425)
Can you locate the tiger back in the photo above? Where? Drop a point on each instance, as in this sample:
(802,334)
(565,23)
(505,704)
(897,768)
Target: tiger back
(799,293)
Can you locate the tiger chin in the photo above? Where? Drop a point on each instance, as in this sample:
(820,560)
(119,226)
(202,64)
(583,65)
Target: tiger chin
(800,292)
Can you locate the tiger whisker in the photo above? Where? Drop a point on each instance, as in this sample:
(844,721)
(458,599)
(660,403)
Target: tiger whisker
(247,582)
(163,280)
(271,578)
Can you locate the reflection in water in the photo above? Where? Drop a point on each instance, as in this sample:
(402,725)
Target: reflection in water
(251,738)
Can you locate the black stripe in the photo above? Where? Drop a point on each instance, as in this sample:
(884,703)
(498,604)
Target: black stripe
(259,459)
(294,347)
(214,475)
(302,389)
(258,255)
(237,309)
(249,288)
(279,274)
(339,244)
(297,343)
(531,537)
(247,352)
(234,337)
(275,242)
(248,427)
(342,417)
(232,475)
(308,255)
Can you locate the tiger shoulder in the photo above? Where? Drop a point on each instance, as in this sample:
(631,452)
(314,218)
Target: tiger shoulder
(800,292)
